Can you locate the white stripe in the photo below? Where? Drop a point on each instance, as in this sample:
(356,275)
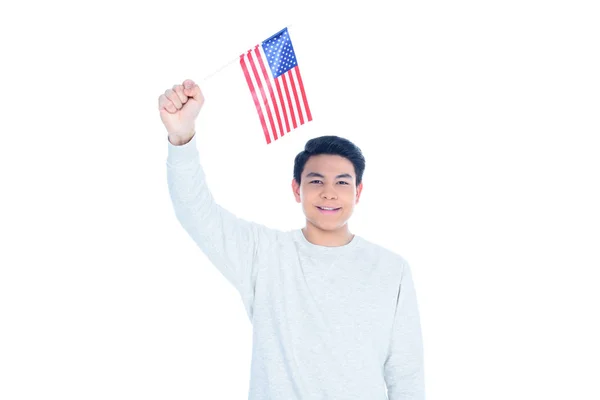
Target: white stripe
(274,106)
(288,82)
(258,90)
(300,98)
(254,83)
(285,105)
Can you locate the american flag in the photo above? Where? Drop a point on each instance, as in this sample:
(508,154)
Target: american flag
(277,91)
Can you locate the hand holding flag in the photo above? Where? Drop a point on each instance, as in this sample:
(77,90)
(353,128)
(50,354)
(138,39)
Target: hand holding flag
(272,74)
(179,107)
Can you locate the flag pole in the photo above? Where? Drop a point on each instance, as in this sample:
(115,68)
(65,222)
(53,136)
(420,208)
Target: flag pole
(228,63)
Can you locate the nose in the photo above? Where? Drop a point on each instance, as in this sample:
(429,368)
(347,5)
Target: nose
(328,194)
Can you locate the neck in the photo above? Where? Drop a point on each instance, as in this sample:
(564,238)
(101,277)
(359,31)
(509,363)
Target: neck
(334,238)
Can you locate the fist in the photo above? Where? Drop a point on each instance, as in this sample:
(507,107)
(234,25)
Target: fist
(178,109)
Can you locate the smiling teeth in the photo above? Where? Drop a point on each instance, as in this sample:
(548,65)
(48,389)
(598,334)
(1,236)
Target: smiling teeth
(328,209)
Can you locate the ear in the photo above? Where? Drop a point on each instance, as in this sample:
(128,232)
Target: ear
(296,190)
(358,192)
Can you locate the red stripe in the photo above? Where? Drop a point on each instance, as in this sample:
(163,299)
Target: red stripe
(296,98)
(262,92)
(268,80)
(289,100)
(285,118)
(255,98)
(308,115)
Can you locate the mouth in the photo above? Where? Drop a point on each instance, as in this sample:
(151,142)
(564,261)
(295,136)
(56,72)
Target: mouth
(328,210)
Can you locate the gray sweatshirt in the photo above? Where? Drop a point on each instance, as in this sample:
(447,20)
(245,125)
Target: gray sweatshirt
(329,323)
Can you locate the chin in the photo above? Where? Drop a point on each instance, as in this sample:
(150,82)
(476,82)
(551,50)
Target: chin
(328,225)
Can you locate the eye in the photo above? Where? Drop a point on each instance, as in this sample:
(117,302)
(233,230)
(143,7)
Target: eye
(316,180)
(345,183)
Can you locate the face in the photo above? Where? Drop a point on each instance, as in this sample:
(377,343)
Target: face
(327,181)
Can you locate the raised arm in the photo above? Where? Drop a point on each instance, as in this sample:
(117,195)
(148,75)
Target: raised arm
(229,242)
(404,369)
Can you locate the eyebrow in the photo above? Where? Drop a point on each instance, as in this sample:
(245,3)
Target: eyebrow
(318,175)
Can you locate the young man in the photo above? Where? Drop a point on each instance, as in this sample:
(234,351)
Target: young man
(334,316)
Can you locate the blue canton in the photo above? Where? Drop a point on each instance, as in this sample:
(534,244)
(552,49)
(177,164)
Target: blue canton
(280,53)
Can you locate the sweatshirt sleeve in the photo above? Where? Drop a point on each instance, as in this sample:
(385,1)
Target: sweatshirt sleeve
(403,368)
(229,242)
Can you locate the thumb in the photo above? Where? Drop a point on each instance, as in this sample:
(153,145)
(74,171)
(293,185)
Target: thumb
(192,90)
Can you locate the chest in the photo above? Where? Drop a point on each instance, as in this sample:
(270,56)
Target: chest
(342,306)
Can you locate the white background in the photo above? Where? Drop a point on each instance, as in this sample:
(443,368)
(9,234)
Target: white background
(479,122)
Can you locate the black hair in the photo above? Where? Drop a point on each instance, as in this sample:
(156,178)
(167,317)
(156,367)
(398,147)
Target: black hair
(330,144)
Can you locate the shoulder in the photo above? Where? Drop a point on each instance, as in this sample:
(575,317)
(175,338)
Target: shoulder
(384,254)
(276,241)
(270,236)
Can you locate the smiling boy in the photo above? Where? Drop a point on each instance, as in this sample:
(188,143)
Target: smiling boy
(334,316)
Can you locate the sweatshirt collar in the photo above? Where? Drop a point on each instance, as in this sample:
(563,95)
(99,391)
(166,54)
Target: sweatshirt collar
(316,250)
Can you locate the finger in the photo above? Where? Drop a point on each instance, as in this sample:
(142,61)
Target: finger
(165,104)
(178,89)
(174,98)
